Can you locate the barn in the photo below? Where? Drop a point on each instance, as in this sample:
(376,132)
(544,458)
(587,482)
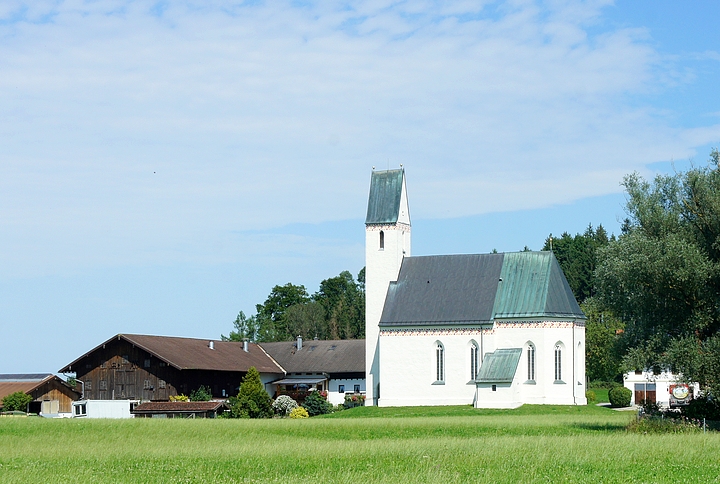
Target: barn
(154,368)
(52,396)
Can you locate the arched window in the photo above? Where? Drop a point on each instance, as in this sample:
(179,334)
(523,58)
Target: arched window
(474,359)
(558,363)
(531,362)
(382,240)
(439,362)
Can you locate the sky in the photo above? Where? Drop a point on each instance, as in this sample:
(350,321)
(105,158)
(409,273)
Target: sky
(163,165)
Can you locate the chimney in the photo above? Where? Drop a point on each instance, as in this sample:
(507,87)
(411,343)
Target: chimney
(245,345)
(299,343)
(211,345)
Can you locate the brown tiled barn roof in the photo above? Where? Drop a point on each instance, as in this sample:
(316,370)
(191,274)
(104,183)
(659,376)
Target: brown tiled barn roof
(9,386)
(24,383)
(196,354)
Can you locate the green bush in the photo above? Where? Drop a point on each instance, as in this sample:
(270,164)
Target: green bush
(591,397)
(252,401)
(316,404)
(702,407)
(607,385)
(651,409)
(202,394)
(16,401)
(620,397)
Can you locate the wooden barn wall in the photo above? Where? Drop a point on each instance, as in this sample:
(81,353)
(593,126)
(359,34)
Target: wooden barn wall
(54,390)
(122,371)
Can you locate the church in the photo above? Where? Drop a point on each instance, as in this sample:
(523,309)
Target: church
(491,330)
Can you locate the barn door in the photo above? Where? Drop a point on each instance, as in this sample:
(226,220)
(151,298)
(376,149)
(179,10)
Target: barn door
(124,384)
(49,407)
(645,392)
(650,396)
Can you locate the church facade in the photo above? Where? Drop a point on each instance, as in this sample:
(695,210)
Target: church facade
(492,330)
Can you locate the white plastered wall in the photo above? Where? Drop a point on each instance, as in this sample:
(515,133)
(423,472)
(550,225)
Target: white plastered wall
(545,335)
(408,368)
(409,372)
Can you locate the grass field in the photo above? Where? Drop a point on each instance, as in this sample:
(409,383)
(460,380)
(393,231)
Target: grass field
(437,444)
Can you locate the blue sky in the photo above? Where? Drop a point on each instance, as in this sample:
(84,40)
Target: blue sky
(164,164)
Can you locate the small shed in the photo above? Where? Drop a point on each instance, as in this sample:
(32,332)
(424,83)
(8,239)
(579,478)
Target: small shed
(180,409)
(52,396)
(664,388)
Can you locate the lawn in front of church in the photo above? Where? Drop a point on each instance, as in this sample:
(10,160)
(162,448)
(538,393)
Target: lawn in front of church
(420,444)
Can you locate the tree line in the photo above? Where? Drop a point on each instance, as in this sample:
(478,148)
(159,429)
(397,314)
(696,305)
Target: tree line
(335,311)
(652,295)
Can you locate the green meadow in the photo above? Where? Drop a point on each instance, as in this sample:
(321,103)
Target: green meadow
(436,444)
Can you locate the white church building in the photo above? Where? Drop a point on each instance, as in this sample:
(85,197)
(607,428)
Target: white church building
(494,330)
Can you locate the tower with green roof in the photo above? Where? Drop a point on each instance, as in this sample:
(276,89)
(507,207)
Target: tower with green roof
(387,242)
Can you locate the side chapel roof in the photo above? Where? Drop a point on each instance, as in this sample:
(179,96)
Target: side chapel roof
(385,197)
(477,288)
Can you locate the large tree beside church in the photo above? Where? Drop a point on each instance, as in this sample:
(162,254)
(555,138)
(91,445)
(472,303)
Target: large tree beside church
(662,275)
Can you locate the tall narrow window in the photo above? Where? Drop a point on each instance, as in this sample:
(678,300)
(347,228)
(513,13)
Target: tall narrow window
(382,240)
(558,363)
(531,362)
(474,359)
(439,361)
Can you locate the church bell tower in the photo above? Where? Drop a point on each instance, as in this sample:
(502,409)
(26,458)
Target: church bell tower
(387,241)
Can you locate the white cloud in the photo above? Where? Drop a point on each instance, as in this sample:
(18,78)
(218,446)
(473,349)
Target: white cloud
(130,127)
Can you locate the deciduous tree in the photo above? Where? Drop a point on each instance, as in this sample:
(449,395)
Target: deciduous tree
(17,401)
(662,275)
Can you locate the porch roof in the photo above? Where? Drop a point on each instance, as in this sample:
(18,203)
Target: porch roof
(300,381)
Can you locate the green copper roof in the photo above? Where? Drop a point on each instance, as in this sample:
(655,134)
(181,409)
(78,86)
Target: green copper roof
(532,284)
(499,366)
(384,202)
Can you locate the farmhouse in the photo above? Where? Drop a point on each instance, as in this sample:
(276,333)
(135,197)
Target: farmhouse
(146,368)
(494,330)
(142,368)
(51,395)
(334,366)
